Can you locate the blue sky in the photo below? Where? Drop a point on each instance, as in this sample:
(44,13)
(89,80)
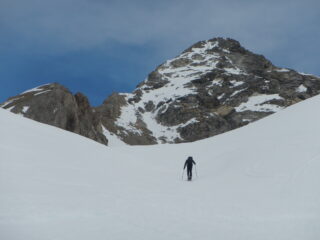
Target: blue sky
(102,46)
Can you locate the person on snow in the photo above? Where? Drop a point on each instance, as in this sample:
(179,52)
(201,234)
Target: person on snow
(189,164)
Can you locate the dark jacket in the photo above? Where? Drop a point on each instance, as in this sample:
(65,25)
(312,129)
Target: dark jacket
(189,163)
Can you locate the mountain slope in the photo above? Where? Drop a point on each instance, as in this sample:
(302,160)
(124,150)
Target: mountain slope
(212,87)
(256,182)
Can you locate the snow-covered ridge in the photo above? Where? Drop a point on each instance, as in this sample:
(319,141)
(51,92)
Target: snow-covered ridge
(37,90)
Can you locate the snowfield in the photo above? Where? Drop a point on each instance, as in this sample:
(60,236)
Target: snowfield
(259,182)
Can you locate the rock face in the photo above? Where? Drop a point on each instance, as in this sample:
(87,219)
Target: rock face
(55,105)
(212,87)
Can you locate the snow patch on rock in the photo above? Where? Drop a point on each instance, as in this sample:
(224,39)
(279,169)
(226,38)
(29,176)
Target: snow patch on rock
(7,103)
(113,140)
(301,88)
(282,70)
(25,109)
(236,83)
(235,71)
(128,119)
(36,89)
(238,91)
(259,103)
(39,93)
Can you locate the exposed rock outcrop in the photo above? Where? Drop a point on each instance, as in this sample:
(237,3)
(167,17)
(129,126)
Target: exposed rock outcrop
(55,105)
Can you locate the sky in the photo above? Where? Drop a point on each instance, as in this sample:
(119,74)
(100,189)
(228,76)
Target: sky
(102,46)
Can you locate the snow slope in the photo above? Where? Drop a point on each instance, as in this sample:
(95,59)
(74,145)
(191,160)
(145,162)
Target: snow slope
(259,182)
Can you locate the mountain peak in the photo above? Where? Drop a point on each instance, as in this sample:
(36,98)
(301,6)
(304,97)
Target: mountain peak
(216,44)
(212,87)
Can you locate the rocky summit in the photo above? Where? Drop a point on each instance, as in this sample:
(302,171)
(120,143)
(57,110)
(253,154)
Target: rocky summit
(212,87)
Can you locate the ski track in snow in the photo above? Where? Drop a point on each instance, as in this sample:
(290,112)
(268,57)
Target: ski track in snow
(257,182)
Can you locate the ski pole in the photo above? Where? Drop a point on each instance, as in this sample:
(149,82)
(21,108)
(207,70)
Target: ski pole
(196,170)
(182,174)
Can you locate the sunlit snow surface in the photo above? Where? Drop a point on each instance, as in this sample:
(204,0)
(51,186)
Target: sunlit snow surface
(259,182)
